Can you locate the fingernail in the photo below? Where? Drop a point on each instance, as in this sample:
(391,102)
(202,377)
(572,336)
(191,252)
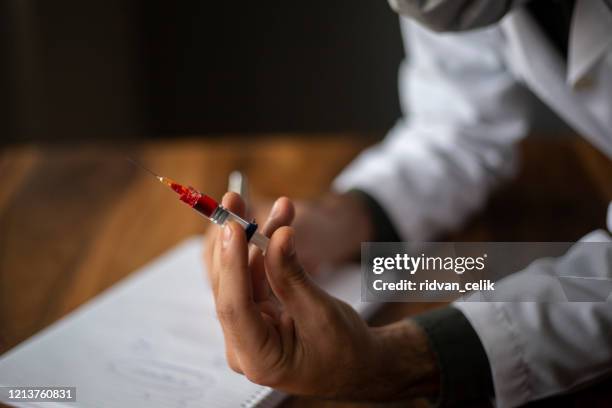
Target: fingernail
(274,211)
(225,197)
(227,236)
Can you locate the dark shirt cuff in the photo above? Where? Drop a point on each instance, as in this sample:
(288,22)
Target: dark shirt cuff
(384,231)
(464,365)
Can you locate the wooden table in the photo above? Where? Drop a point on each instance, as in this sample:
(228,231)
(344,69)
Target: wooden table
(74,220)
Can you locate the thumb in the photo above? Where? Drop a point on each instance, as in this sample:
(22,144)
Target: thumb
(288,280)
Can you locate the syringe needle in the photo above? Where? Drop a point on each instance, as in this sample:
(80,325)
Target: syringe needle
(164,180)
(160,178)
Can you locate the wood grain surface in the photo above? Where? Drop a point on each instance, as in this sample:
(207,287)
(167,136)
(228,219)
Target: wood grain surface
(74,220)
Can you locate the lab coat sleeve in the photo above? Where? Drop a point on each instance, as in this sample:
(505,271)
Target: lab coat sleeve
(463,114)
(536,350)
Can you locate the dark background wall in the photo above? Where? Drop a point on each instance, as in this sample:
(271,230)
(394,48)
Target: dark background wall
(73,69)
(115,69)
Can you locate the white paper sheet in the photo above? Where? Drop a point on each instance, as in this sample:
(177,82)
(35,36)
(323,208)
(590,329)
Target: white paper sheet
(152,340)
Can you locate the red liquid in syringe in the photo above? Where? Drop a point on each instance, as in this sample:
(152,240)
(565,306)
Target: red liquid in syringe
(208,207)
(190,196)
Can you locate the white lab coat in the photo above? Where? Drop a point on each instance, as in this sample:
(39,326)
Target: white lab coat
(465,109)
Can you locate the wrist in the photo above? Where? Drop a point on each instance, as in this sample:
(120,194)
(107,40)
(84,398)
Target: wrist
(405,364)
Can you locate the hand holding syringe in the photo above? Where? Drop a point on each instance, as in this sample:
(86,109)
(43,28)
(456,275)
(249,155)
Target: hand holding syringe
(210,209)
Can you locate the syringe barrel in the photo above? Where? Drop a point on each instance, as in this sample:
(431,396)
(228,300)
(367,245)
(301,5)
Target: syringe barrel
(260,241)
(222,215)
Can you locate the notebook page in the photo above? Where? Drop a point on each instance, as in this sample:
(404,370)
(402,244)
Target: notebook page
(152,340)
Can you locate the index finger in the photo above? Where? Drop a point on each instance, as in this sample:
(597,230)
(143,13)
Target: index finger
(235,204)
(242,323)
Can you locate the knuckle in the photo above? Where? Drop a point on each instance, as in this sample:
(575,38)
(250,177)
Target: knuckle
(256,377)
(233,363)
(297,277)
(269,370)
(263,377)
(226,312)
(235,368)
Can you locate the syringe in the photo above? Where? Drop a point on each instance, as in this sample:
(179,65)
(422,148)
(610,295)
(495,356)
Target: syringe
(211,209)
(216,213)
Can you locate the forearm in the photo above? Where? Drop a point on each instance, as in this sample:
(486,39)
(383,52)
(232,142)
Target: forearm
(331,228)
(456,141)
(352,216)
(359,218)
